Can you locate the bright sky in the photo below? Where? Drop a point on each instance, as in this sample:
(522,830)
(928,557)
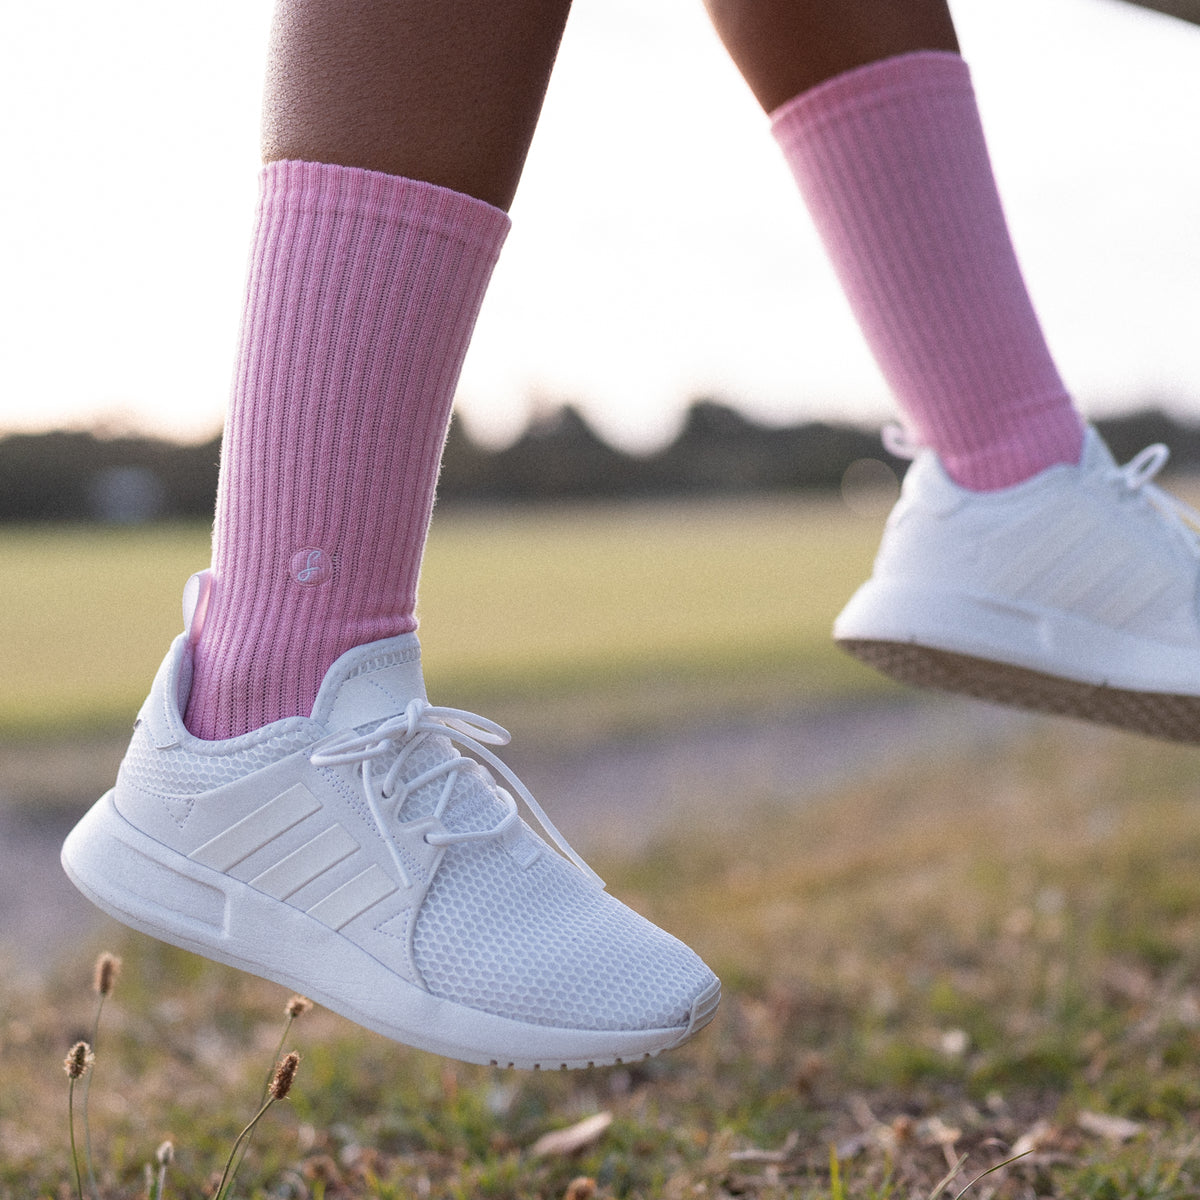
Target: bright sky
(659,250)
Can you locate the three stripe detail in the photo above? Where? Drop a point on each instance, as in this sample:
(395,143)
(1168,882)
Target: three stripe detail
(303,865)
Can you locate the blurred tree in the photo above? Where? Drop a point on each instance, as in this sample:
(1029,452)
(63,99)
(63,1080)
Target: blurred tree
(1185,10)
(75,476)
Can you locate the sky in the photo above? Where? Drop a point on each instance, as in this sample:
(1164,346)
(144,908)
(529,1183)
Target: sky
(659,250)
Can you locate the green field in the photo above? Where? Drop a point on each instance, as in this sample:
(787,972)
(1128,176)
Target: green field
(992,951)
(629,610)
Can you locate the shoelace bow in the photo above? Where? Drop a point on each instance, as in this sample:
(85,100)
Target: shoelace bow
(898,442)
(1137,475)
(401,735)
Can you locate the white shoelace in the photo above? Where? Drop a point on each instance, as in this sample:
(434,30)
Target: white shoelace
(402,734)
(1137,475)
(898,442)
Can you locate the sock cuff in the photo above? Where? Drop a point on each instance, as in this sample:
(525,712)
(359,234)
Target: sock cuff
(860,89)
(328,189)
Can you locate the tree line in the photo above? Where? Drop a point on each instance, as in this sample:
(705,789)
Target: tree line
(83,476)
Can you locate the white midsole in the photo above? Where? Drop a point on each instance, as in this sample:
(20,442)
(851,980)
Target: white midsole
(127,873)
(1045,640)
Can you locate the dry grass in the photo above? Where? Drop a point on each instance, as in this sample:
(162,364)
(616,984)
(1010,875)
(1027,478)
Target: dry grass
(975,957)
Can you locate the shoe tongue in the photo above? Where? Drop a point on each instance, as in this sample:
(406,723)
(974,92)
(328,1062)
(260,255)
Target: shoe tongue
(371,683)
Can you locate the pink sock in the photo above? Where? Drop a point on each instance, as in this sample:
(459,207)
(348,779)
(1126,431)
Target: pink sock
(892,163)
(362,295)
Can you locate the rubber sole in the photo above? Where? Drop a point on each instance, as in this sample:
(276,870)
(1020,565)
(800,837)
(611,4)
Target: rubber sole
(128,874)
(1162,715)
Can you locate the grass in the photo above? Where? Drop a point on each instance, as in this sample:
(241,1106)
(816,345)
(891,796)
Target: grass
(993,951)
(915,971)
(634,607)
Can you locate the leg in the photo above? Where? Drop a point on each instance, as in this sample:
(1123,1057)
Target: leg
(785,47)
(310,817)
(394,134)
(448,93)
(876,116)
(1069,585)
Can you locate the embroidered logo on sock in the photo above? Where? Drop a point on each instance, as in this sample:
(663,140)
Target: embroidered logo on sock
(311,566)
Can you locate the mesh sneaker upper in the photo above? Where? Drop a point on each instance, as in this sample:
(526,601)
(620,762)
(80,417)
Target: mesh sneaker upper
(184,771)
(1094,541)
(541,945)
(534,941)
(499,921)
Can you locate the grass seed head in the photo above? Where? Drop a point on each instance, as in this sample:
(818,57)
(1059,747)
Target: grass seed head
(108,967)
(281,1084)
(297,1006)
(165,1154)
(78,1060)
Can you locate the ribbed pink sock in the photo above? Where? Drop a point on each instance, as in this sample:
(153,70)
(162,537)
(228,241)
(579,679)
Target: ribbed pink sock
(892,162)
(362,295)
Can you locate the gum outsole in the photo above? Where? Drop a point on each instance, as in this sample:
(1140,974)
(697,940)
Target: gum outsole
(1163,715)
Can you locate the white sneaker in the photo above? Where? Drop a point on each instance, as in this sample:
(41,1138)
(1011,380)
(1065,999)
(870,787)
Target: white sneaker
(357,857)
(1075,592)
